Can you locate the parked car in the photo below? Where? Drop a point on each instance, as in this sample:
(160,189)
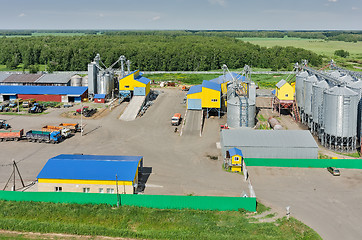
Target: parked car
(334,171)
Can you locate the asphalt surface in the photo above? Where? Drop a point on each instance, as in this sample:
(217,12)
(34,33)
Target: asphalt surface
(192,123)
(331,205)
(177,165)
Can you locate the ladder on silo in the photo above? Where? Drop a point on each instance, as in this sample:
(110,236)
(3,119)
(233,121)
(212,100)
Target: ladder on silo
(295,111)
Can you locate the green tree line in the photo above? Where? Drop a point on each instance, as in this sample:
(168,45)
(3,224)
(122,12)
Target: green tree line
(148,52)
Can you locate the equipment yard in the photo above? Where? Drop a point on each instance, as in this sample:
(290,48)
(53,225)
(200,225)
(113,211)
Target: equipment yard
(178,165)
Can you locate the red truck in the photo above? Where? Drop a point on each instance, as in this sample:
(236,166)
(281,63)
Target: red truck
(11,135)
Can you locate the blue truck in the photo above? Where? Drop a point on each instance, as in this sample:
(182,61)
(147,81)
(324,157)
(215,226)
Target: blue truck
(41,136)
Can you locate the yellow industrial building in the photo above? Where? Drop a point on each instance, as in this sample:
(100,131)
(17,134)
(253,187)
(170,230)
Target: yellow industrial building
(207,96)
(234,160)
(90,174)
(135,83)
(284,91)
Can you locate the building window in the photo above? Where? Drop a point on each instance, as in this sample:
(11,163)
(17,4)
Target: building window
(101,190)
(58,189)
(214,100)
(110,190)
(236,159)
(126,86)
(86,190)
(286,95)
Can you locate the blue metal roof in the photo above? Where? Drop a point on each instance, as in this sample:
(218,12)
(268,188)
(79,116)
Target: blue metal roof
(211,85)
(143,80)
(195,89)
(43,90)
(100,96)
(91,167)
(235,151)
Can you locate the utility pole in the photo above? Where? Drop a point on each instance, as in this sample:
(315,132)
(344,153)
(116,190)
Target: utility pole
(81,119)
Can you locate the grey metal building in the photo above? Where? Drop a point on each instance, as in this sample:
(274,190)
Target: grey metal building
(270,143)
(50,79)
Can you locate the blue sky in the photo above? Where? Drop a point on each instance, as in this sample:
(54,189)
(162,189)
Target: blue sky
(182,14)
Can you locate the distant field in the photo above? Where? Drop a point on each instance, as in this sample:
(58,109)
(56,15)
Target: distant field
(48,34)
(57,34)
(316,45)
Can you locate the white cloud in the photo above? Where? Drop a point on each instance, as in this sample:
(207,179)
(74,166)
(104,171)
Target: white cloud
(156,18)
(218,2)
(22,15)
(332,0)
(100,15)
(355,8)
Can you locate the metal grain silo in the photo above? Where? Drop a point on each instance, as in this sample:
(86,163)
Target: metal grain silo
(85,81)
(251,115)
(340,125)
(103,83)
(76,81)
(307,94)
(335,74)
(347,79)
(299,85)
(234,112)
(238,112)
(318,89)
(357,87)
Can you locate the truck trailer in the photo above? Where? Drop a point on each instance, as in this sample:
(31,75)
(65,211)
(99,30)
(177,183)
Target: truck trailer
(41,136)
(11,135)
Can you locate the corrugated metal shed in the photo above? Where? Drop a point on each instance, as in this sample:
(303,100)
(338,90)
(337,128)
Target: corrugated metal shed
(22,78)
(4,75)
(195,89)
(58,90)
(270,143)
(91,167)
(211,85)
(55,78)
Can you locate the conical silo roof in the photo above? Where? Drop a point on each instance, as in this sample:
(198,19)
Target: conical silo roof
(341,91)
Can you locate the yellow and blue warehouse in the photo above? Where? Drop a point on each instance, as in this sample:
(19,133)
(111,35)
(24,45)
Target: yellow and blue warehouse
(284,91)
(206,95)
(136,83)
(90,174)
(235,157)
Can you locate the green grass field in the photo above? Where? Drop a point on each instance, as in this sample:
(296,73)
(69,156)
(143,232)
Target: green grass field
(319,46)
(19,68)
(182,78)
(145,223)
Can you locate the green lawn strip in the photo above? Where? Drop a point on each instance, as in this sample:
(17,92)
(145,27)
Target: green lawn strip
(137,222)
(191,79)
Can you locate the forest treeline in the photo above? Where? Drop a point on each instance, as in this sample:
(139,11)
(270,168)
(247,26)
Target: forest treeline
(148,52)
(346,36)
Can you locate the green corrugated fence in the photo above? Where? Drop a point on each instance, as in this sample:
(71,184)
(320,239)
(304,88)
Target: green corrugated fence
(304,163)
(152,201)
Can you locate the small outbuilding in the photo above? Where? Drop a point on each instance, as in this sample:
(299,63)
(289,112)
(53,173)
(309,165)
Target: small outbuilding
(234,159)
(90,174)
(99,98)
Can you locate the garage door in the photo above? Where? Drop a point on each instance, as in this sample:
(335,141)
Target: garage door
(139,91)
(194,104)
